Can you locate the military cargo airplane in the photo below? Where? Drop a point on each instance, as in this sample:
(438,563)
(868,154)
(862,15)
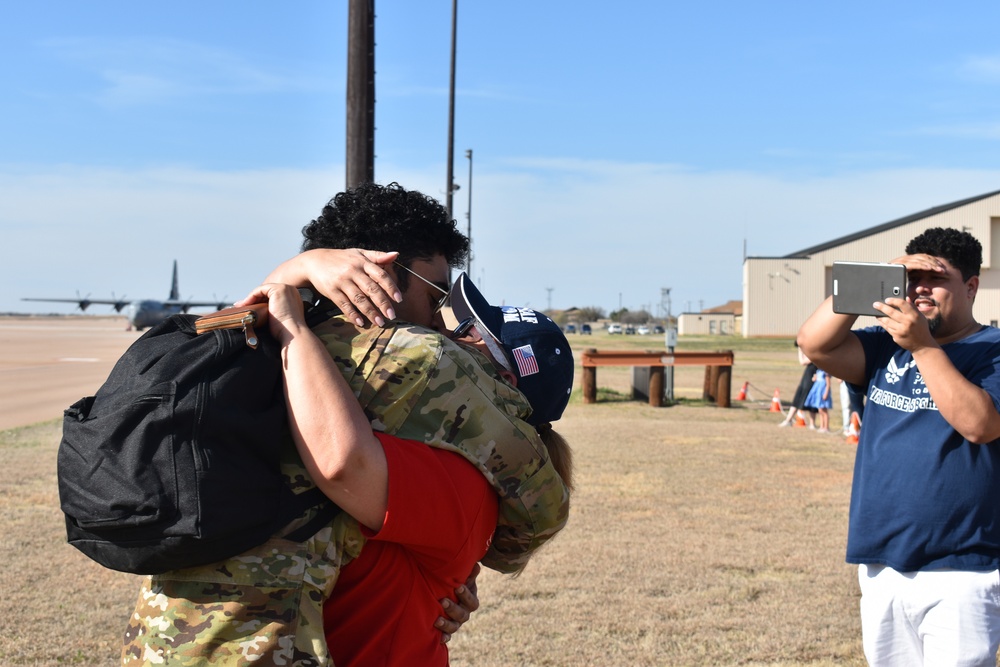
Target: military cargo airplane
(144,312)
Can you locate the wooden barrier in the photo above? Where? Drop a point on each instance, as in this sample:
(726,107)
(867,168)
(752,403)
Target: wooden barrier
(718,371)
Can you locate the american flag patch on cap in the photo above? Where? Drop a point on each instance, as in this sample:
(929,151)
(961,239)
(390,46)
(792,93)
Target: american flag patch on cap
(524,357)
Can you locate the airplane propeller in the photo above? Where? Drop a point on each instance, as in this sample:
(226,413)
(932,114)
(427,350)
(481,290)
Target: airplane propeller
(82,302)
(119,303)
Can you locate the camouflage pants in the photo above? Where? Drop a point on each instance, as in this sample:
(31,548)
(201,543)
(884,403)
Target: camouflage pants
(263,607)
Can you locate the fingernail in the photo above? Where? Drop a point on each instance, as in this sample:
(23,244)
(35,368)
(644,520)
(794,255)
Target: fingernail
(460,590)
(398,297)
(391,313)
(379,321)
(360,321)
(446,603)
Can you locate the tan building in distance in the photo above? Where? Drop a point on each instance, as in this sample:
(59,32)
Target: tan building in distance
(715,324)
(722,320)
(779,293)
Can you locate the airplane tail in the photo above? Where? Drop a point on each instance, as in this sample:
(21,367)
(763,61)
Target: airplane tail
(175,294)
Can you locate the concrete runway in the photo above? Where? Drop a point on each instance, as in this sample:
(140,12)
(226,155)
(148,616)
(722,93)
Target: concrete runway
(47,363)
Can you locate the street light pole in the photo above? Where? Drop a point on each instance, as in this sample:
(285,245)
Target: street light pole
(468,216)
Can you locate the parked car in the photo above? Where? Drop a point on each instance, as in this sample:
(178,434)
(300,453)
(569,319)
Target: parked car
(585,329)
(614,328)
(570,328)
(658,329)
(643,330)
(629,330)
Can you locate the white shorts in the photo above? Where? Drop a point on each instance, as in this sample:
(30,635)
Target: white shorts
(934,618)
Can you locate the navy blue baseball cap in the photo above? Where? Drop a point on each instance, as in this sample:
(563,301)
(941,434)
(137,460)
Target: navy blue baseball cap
(535,347)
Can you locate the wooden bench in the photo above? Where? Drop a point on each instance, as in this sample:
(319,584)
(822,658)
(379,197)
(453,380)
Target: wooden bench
(718,371)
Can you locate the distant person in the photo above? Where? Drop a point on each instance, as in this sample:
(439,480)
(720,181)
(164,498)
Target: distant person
(820,399)
(923,523)
(798,408)
(852,402)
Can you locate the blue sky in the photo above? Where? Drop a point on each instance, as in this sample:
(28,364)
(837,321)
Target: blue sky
(618,148)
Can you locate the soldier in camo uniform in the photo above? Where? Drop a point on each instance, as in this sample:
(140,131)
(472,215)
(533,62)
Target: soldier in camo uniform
(265,605)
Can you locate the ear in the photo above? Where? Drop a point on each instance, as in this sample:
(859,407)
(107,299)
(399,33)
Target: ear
(508,376)
(972,287)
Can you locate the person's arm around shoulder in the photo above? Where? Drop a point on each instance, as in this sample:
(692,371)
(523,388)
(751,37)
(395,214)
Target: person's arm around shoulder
(826,339)
(330,429)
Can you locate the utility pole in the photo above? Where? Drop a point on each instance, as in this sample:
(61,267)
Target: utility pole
(360,93)
(451,112)
(670,340)
(468,216)
(549,290)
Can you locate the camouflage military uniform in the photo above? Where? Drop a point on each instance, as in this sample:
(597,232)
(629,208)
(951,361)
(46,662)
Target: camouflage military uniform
(266,604)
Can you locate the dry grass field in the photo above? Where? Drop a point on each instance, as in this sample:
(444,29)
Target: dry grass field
(698,536)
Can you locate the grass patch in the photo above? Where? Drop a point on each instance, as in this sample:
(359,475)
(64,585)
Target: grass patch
(606,395)
(38,435)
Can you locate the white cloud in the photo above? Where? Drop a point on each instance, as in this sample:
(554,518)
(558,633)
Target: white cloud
(103,230)
(597,233)
(984,131)
(146,71)
(985,69)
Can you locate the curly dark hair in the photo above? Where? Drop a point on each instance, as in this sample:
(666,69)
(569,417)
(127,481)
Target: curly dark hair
(386,218)
(960,248)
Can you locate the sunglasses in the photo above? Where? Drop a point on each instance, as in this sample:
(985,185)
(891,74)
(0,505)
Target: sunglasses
(463,327)
(444,299)
(494,346)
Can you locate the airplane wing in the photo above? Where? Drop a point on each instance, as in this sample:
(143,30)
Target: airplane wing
(84,302)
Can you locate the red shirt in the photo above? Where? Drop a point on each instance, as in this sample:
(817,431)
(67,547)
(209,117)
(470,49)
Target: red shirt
(439,521)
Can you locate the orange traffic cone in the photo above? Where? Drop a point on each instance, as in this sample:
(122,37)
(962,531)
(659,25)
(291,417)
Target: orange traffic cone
(799,419)
(775,402)
(742,396)
(855,429)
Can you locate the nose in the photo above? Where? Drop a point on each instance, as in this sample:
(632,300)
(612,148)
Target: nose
(437,323)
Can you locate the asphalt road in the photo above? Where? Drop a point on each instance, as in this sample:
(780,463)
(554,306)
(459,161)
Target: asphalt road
(47,363)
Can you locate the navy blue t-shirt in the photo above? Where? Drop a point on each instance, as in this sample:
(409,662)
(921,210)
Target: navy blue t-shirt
(923,496)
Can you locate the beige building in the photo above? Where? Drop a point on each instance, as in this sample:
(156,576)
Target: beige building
(721,320)
(779,293)
(711,323)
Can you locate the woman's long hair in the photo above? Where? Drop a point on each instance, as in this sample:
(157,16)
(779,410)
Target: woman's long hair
(559,451)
